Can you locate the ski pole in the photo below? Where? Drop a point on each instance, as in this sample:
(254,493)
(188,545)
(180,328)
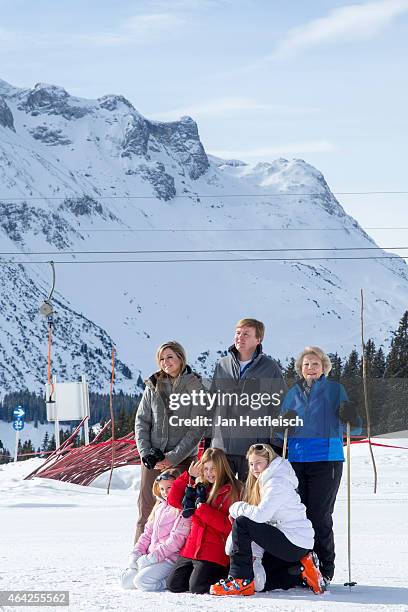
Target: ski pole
(350,583)
(285,442)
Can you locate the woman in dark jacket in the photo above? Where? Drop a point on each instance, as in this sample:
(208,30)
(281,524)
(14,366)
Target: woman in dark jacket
(203,560)
(316,449)
(160,444)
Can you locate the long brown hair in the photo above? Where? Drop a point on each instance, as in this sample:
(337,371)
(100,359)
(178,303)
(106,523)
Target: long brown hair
(252,492)
(223,474)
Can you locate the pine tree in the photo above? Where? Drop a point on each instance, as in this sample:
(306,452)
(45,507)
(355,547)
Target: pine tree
(46,441)
(369,354)
(27,449)
(4,456)
(337,365)
(351,368)
(397,358)
(51,444)
(378,364)
(290,372)
(396,380)
(122,424)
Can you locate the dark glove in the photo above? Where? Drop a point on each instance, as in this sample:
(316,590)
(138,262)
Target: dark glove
(201,493)
(348,413)
(189,501)
(154,456)
(289,414)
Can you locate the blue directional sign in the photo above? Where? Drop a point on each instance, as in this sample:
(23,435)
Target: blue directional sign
(19,412)
(18,425)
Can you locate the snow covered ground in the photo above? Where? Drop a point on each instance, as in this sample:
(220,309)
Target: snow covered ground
(59,536)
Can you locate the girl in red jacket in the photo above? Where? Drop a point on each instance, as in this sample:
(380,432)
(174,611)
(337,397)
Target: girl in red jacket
(202,559)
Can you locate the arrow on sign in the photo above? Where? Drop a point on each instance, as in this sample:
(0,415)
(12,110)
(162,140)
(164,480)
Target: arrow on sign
(19,412)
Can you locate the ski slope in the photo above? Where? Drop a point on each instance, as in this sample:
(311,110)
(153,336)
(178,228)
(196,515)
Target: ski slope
(58,536)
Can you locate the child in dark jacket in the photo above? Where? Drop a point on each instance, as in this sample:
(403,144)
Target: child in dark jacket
(202,559)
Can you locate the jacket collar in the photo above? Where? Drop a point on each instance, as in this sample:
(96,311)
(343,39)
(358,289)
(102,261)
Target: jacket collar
(316,384)
(272,467)
(155,377)
(233,351)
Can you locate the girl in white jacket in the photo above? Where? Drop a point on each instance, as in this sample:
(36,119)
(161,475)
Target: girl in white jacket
(272,516)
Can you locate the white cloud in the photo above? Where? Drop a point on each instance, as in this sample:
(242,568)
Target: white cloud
(156,22)
(351,22)
(138,29)
(223,106)
(188,5)
(295,148)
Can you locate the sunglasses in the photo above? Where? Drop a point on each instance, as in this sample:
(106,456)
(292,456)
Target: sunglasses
(164,476)
(259,447)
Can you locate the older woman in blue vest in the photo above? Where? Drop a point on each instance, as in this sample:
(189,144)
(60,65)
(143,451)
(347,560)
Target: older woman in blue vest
(316,449)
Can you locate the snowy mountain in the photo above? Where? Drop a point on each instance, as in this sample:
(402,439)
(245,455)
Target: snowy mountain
(92,176)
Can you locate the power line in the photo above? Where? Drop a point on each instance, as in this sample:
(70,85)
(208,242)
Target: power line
(243,259)
(197,195)
(256,229)
(231,249)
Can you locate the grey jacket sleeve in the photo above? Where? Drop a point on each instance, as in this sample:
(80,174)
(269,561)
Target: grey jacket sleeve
(188,445)
(215,432)
(279,385)
(143,423)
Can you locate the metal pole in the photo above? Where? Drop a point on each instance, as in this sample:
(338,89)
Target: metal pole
(16,447)
(85,396)
(367,411)
(56,422)
(350,583)
(285,443)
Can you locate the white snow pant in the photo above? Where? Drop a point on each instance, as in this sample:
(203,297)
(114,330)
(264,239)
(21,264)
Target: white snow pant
(151,578)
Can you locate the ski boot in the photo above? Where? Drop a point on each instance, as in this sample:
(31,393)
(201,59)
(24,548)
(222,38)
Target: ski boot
(310,573)
(233,586)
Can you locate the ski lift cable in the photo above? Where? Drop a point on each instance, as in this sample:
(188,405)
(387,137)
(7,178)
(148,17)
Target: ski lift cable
(254,229)
(228,250)
(202,260)
(201,195)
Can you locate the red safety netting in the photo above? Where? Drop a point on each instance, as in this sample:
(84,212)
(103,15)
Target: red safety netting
(83,464)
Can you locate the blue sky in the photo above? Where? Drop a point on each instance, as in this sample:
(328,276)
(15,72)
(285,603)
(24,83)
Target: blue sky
(321,80)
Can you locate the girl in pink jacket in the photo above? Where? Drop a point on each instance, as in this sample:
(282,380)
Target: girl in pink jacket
(157,549)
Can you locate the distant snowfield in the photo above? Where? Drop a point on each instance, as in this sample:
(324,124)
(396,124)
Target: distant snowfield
(59,536)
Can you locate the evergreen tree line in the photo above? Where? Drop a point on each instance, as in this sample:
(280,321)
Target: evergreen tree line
(36,411)
(387,390)
(386,377)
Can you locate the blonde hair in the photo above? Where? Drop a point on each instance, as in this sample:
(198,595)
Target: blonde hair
(223,474)
(258,325)
(252,492)
(320,354)
(177,349)
(173,474)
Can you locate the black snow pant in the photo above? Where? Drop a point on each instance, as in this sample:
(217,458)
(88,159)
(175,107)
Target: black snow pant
(319,482)
(239,466)
(194,576)
(283,555)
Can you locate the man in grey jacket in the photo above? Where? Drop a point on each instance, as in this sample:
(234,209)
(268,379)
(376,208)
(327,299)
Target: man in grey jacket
(240,379)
